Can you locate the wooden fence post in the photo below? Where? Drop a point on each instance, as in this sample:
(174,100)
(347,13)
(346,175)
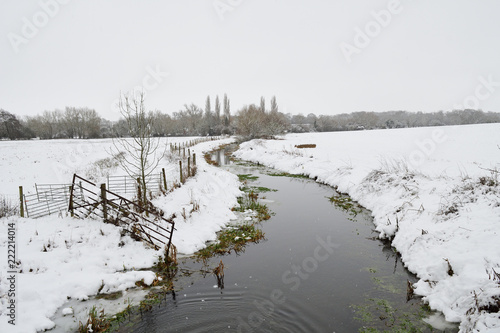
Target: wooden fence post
(21,201)
(194,159)
(164,179)
(104,202)
(180,168)
(70,208)
(189,166)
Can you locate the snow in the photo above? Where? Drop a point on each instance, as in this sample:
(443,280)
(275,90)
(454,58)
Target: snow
(430,190)
(67,311)
(63,259)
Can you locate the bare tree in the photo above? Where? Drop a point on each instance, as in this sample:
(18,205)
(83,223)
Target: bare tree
(251,122)
(276,123)
(144,153)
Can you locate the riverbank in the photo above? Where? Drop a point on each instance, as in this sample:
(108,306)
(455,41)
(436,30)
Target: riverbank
(61,259)
(431,192)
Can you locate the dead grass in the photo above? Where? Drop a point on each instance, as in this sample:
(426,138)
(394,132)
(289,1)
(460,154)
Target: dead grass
(96,322)
(313,145)
(7,208)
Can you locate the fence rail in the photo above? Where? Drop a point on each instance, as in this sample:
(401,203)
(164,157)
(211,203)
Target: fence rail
(127,184)
(48,199)
(99,202)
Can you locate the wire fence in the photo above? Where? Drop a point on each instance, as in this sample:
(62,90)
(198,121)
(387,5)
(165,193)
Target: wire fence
(88,200)
(48,199)
(54,198)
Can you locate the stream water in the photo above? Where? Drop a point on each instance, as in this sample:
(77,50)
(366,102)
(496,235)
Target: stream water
(319,269)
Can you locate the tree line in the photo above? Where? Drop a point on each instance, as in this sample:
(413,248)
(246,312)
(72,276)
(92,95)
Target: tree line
(390,119)
(250,121)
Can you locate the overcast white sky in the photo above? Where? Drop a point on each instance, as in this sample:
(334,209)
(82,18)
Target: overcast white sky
(426,55)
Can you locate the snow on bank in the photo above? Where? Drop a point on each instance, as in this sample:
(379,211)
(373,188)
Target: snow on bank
(60,257)
(429,189)
(203,204)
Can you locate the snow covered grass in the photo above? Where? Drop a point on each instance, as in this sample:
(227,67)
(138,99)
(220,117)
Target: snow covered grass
(434,192)
(61,259)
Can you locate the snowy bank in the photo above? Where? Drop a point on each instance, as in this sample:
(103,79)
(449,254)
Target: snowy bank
(61,258)
(430,190)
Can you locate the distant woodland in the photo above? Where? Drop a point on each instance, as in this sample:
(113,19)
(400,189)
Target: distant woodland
(251,121)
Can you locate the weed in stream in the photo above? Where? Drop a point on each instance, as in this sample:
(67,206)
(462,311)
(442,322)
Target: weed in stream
(382,315)
(247,177)
(219,273)
(96,322)
(156,296)
(259,189)
(379,315)
(167,264)
(120,316)
(233,238)
(346,204)
(250,202)
(286,174)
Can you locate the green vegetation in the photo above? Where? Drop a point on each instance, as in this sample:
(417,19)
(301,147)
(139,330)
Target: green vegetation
(379,315)
(258,189)
(286,174)
(385,315)
(233,238)
(346,204)
(246,177)
(156,296)
(250,202)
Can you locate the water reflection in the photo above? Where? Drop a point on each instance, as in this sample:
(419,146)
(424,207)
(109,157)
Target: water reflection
(317,271)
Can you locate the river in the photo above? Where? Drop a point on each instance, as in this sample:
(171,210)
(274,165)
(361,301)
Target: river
(321,268)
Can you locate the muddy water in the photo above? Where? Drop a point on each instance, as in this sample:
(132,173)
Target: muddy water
(320,269)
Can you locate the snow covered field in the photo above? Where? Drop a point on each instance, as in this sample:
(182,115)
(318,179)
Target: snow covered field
(63,258)
(431,191)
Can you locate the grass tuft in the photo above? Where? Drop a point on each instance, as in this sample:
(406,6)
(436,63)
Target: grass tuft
(233,238)
(96,322)
(247,177)
(346,204)
(286,174)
